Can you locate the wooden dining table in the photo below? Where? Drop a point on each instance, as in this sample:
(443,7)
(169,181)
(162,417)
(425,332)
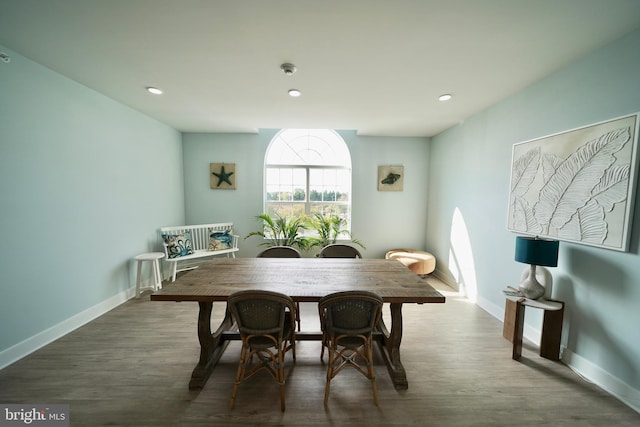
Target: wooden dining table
(304,280)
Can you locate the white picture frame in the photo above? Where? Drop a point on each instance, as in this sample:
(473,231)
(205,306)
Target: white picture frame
(577,186)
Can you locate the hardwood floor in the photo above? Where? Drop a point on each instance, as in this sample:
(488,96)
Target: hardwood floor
(132,365)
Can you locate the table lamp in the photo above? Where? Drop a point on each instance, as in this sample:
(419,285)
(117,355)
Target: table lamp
(534,251)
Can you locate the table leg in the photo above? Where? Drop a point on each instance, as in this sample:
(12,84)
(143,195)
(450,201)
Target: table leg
(514,324)
(551,334)
(390,347)
(211,345)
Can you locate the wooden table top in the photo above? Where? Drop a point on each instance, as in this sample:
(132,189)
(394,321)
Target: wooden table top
(304,279)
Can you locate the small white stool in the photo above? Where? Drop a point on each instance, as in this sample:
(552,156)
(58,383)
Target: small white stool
(155,257)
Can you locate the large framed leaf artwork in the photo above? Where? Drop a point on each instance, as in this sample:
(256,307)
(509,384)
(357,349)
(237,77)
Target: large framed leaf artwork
(577,186)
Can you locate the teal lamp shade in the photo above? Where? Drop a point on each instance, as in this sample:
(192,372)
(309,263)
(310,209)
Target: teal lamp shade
(534,251)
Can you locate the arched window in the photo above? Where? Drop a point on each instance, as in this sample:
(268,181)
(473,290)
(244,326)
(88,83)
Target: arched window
(308,171)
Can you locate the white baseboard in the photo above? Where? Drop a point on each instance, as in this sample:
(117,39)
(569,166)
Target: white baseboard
(446,278)
(590,372)
(31,344)
(593,373)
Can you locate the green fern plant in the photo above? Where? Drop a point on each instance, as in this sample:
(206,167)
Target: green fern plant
(329,228)
(280,231)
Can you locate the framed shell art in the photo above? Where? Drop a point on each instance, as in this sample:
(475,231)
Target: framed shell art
(390,178)
(577,186)
(222,176)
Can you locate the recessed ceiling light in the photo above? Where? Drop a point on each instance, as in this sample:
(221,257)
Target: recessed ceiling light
(445,97)
(154,90)
(294,92)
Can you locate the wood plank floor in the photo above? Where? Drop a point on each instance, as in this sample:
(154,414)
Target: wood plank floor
(131,367)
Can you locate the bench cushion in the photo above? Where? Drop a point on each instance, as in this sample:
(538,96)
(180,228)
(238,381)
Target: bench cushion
(178,245)
(219,240)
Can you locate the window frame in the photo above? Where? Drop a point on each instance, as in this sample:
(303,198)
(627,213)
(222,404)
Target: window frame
(342,208)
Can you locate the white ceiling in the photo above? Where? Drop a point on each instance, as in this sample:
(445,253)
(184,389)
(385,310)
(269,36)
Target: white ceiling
(375,66)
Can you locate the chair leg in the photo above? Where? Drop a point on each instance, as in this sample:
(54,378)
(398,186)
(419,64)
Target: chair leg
(174,270)
(293,349)
(372,375)
(298,315)
(239,375)
(327,387)
(281,376)
(347,360)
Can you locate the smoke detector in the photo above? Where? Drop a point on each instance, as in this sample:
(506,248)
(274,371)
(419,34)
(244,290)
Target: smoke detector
(288,68)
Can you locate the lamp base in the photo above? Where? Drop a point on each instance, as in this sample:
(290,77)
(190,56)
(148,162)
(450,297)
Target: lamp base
(530,287)
(543,276)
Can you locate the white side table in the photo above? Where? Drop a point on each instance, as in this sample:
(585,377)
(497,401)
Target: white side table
(155,258)
(551,325)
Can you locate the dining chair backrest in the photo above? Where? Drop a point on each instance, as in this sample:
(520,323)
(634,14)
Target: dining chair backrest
(261,312)
(338,250)
(350,312)
(280,252)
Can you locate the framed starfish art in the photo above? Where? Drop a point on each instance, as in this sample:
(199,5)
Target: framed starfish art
(222,176)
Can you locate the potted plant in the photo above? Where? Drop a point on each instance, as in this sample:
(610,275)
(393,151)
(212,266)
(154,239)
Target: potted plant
(329,228)
(281,231)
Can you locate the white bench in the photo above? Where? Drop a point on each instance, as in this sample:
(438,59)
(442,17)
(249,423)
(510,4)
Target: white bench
(187,244)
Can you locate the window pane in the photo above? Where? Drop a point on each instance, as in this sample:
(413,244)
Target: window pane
(286,184)
(285,209)
(329,185)
(341,210)
(308,147)
(330,208)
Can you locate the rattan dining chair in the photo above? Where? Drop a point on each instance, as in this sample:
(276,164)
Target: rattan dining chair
(267,330)
(348,320)
(338,250)
(280,252)
(283,252)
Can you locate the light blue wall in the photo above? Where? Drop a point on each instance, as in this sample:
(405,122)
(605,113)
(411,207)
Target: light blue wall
(383,220)
(85,182)
(470,167)
(205,205)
